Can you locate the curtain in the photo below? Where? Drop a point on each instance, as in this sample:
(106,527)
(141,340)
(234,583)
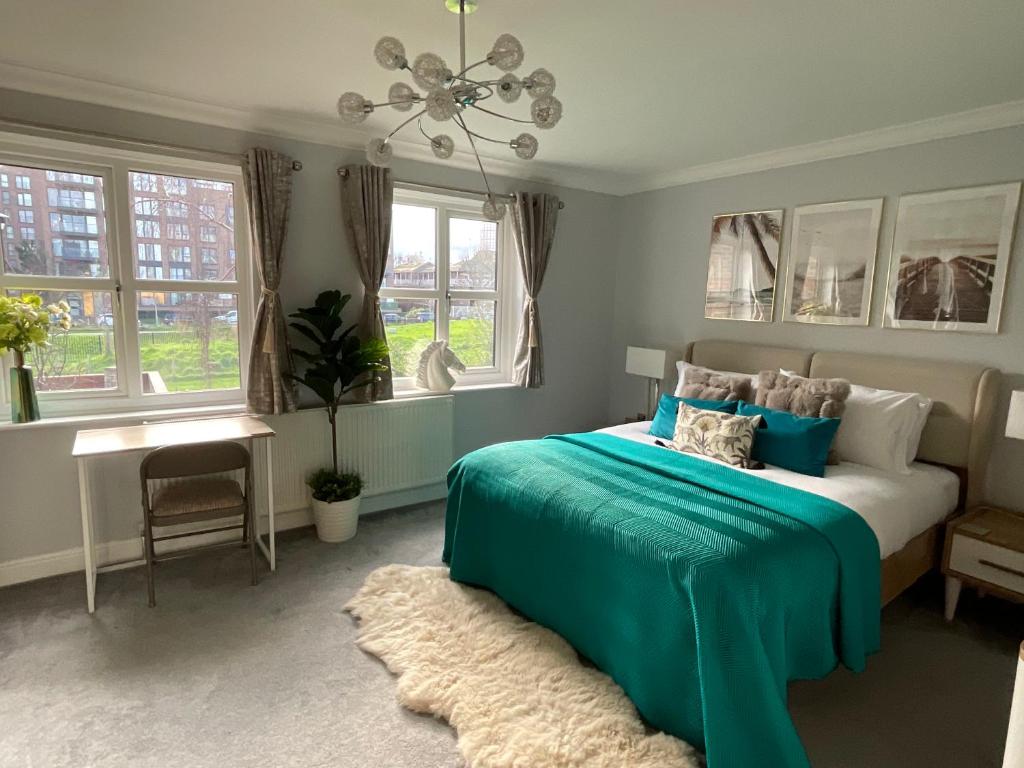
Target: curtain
(366,195)
(268,181)
(534,217)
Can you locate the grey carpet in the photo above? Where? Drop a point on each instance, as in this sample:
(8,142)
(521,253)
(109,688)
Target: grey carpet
(222,674)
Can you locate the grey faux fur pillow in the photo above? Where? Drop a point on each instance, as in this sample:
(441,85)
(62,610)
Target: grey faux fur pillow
(822,398)
(705,384)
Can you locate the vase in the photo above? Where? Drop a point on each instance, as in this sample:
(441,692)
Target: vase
(24,404)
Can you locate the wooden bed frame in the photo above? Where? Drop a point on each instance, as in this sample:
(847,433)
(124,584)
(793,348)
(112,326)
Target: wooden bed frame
(958,434)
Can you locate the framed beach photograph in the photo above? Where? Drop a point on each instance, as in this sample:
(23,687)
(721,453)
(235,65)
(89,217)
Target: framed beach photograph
(832,252)
(950,254)
(742,266)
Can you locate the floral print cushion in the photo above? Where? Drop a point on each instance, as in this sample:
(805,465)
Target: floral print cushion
(714,434)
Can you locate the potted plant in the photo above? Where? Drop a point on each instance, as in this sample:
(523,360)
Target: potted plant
(339,363)
(25,323)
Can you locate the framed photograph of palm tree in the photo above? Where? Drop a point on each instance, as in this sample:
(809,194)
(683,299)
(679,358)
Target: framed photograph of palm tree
(832,252)
(950,254)
(742,266)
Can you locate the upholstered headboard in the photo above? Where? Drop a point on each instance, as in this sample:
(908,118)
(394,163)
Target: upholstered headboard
(960,428)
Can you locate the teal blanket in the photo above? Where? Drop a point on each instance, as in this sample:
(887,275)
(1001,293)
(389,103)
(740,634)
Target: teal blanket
(701,589)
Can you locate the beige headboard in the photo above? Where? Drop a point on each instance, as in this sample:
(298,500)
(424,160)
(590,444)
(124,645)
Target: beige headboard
(960,429)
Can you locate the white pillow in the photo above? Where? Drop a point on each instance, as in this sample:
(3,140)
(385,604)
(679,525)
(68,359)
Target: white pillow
(682,365)
(881,428)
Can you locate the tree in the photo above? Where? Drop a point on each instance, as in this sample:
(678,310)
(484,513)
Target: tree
(758,226)
(27,258)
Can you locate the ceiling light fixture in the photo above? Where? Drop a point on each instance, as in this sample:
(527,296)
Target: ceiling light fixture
(449,96)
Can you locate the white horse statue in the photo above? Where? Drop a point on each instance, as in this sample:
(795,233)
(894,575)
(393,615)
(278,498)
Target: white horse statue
(435,361)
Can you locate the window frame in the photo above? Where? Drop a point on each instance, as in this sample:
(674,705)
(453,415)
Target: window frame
(507,293)
(114,166)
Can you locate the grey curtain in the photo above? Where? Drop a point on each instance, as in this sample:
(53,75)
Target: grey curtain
(534,217)
(268,181)
(366,196)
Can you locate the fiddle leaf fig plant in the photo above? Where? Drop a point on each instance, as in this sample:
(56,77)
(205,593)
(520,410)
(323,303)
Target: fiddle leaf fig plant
(337,362)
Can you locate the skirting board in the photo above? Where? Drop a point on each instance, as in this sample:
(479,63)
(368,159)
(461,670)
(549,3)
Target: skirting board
(71,560)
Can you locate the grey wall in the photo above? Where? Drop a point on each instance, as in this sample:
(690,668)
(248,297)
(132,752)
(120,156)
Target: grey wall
(663,253)
(576,303)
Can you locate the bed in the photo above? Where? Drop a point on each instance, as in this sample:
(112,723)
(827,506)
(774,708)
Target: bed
(703,589)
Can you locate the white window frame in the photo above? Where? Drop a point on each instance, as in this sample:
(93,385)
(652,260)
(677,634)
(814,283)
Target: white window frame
(507,293)
(114,166)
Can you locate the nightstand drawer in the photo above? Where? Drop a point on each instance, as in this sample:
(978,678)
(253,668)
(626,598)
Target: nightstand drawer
(996,565)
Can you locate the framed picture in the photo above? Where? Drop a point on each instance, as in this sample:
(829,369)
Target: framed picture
(949,259)
(742,266)
(832,253)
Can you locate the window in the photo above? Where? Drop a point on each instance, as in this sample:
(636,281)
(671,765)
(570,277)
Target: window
(447,278)
(208,234)
(4,180)
(148,330)
(25,199)
(147,228)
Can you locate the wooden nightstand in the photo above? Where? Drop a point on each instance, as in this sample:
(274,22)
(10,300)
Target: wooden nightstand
(984,549)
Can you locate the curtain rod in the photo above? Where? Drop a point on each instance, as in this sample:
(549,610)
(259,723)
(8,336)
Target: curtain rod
(72,134)
(343,172)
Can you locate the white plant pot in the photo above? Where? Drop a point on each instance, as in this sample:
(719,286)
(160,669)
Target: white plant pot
(337,520)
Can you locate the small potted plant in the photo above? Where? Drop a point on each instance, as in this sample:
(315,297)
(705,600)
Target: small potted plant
(339,363)
(25,323)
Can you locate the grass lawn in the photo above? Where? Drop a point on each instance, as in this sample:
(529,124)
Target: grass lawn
(471,340)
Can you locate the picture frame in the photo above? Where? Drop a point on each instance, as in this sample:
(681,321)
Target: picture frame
(743,262)
(949,259)
(833,248)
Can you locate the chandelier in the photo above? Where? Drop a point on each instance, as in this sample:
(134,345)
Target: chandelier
(453,96)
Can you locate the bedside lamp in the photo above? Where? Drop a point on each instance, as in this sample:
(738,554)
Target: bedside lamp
(641,361)
(1015,417)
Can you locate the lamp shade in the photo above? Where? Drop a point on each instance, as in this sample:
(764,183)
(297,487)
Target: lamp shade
(641,361)
(1015,418)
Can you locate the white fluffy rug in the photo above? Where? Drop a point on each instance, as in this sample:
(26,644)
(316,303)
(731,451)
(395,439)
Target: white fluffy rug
(515,692)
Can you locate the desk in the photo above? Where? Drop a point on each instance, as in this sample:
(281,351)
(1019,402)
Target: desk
(91,443)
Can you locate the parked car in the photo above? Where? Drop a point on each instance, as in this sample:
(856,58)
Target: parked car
(228,317)
(105,321)
(421,316)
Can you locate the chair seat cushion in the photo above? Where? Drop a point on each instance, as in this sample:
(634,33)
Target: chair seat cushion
(199,496)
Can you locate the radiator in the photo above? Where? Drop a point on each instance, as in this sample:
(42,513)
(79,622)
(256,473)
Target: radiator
(395,446)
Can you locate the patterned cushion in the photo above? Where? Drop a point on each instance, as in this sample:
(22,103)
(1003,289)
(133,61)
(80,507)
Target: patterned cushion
(201,494)
(705,384)
(714,434)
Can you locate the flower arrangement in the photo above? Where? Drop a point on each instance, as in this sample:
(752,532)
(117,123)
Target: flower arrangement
(25,322)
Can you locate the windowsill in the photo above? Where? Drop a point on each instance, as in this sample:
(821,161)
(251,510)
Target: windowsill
(100,420)
(408,394)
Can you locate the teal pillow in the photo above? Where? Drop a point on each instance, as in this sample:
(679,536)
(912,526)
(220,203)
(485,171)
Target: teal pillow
(664,424)
(798,443)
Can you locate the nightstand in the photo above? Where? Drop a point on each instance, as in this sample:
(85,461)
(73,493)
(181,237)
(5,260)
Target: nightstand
(984,549)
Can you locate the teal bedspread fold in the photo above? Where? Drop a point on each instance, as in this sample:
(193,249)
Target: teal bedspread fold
(701,589)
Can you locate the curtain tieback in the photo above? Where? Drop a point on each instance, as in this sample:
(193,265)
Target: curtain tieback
(269,329)
(531,308)
(374,297)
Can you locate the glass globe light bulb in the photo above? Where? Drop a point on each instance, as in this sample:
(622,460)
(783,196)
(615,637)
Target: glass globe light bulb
(404,94)
(507,53)
(546,112)
(430,71)
(540,83)
(493,209)
(525,145)
(509,88)
(379,152)
(390,53)
(442,146)
(353,108)
(440,105)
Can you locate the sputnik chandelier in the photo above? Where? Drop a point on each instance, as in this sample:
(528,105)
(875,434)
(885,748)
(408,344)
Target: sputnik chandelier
(452,97)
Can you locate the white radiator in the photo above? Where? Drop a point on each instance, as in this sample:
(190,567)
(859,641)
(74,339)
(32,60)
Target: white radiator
(396,445)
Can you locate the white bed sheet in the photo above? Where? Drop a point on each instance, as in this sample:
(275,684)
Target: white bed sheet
(897,507)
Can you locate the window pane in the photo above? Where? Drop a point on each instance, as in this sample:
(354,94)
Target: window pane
(413,257)
(410,325)
(472,247)
(82,358)
(69,237)
(188,341)
(471,332)
(176,221)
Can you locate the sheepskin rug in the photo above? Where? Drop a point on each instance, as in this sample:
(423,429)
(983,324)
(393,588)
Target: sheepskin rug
(515,692)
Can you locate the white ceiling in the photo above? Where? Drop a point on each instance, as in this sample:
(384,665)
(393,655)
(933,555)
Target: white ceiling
(655,92)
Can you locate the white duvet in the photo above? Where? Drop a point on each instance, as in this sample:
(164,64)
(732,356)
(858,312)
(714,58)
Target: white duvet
(897,507)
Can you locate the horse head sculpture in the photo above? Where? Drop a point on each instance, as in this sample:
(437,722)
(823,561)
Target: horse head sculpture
(435,362)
